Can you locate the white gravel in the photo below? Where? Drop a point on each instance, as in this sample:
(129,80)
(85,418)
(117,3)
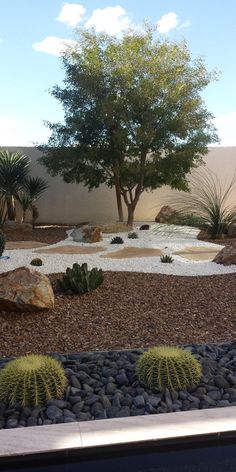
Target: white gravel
(168,243)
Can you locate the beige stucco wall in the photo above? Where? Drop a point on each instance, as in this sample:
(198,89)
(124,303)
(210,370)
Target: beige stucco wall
(72,203)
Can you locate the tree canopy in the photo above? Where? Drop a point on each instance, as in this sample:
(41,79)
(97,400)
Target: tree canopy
(134,116)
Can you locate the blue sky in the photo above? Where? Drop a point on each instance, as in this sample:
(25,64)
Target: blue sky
(32,31)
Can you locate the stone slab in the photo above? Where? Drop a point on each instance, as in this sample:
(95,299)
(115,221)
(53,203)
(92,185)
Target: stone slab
(10,245)
(70,250)
(131,252)
(198,253)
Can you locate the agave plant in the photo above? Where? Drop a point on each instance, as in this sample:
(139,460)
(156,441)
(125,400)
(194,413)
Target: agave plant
(31,190)
(14,167)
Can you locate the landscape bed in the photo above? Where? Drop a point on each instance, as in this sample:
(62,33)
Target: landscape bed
(105,385)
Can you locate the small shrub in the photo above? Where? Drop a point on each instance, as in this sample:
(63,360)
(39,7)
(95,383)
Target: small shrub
(117,240)
(32,380)
(187,220)
(169,367)
(36,262)
(79,279)
(133,235)
(165,258)
(144,227)
(2,242)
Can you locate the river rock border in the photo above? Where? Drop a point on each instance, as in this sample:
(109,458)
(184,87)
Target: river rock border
(105,385)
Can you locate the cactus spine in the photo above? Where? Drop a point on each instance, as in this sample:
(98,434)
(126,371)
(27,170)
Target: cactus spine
(168,367)
(32,380)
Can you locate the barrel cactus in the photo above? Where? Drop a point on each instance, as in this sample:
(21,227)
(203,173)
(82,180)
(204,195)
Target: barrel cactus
(2,242)
(169,367)
(79,279)
(32,380)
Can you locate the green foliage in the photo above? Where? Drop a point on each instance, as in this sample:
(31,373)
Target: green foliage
(134,114)
(169,367)
(14,168)
(32,188)
(165,258)
(2,242)
(208,202)
(36,262)
(32,380)
(79,279)
(187,220)
(133,235)
(117,240)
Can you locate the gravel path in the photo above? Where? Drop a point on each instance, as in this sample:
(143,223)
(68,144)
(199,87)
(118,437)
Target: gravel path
(168,243)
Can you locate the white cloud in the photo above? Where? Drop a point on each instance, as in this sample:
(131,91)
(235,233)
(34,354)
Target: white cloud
(71,14)
(226,125)
(171,21)
(111,20)
(53,45)
(16,132)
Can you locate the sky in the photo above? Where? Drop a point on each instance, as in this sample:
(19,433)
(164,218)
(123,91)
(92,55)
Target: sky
(32,34)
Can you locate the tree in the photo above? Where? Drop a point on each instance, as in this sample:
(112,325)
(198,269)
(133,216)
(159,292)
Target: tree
(14,167)
(32,188)
(134,116)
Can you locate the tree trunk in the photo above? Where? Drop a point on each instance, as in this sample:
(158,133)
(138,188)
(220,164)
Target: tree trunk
(131,209)
(10,208)
(118,198)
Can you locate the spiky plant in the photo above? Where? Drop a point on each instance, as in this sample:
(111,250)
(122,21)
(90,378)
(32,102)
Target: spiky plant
(79,279)
(166,259)
(32,380)
(14,167)
(168,367)
(117,240)
(36,262)
(32,189)
(132,235)
(2,242)
(208,202)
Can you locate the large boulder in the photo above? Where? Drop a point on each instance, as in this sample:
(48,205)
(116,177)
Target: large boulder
(25,289)
(165,215)
(87,234)
(10,226)
(226,256)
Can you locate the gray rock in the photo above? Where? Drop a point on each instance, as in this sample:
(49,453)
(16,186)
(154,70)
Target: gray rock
(68,413)
(139,401)
(33,421)
(122,379)
(77,407)
(59,403)
(91,399)
(87,388)
(84,416)
(53,412)
(124,412)
(111,388)
(12,423)
(221,382)
(75,382)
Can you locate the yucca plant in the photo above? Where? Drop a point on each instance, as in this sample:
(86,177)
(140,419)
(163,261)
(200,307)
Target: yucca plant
(208,201)
(169,367)
(14,167)
(32,188)
(32,380)
(79,279)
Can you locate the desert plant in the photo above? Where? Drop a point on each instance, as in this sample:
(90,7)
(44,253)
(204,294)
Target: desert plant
(2,242)
(117,240)
(32,189)
(187,220)
(208,202)
(79,279)
(132,235)
(14,168)
(36,262)
(166,259)
(168,367)
(32,380)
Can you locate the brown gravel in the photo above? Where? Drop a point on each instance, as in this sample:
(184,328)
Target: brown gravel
(48,234)
(128,310)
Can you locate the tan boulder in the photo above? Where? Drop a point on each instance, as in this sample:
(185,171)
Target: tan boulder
(25,289)
(165,215)
(9,226)
(87,234)
(226,256)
